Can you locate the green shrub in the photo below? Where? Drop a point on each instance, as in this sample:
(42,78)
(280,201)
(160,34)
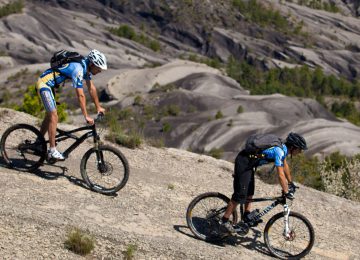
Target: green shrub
(219,115)
(125,114)
(346,109)
(149,111)
(61,111)
(131,140)
(6,96)
(80,242)
(31,104)
(256,12)
(11,8)
(193,57)
(138,101)
(188,2)
(155,45)
(240,109)
(192,109)
(215,63)
(173,110)
(334,161)
(299,81)
(320,5)
(337,174)
(126,31)
(111,121)
(130,251)
(216,153)
(163,88)
(166,127)
(306,171)
(341,176)
(156,142)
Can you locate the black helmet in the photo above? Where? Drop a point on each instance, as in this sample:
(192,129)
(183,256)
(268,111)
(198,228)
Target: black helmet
(296,141)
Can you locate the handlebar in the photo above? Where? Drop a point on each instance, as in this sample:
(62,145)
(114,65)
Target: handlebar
(99,117)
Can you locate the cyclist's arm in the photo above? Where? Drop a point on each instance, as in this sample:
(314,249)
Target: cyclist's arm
(94,96)
(82,101)
(287,171)
(282,178)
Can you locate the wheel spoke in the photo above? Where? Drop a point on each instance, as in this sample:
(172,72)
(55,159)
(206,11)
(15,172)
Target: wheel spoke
(109,175)
(297,243)
(19,150)
(204,214)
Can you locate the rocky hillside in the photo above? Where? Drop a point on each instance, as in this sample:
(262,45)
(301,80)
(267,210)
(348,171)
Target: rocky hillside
(212,29)
(37,210)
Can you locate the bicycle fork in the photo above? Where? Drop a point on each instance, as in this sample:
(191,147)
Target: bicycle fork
(99,155)
(287,232)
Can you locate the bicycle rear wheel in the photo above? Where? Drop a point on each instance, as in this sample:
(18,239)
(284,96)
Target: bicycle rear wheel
(23,147)
(104,169)
(204,213)
(297,245)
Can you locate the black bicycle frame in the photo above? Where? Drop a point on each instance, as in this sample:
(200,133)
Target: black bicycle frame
(64,135)
(277,201)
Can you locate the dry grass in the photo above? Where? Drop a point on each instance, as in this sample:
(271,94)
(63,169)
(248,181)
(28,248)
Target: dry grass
(79,241)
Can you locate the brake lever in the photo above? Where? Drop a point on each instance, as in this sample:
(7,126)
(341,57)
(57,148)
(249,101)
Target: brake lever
(99,117)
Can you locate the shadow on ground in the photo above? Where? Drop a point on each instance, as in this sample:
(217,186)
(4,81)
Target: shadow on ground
(251,241)
(54,173)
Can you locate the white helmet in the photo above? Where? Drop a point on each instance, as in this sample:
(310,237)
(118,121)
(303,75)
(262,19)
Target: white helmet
(98,59)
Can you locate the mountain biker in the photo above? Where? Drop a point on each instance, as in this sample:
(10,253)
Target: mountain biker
(245,165)
(90,65)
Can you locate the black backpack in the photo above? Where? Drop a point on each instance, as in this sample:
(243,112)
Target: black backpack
(62,57)
(256,143)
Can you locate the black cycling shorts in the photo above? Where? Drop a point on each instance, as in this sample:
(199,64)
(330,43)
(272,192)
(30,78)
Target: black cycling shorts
(244,181)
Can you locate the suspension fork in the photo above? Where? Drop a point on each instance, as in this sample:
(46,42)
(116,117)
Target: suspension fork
(286,221)
(99,154)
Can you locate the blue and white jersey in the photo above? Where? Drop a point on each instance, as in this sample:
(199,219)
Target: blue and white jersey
(75,71)
(274,154)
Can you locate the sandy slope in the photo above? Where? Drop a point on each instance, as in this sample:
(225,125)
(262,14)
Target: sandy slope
(38,209)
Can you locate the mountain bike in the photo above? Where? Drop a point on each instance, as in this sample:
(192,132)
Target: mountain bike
(287,235)
(103,168)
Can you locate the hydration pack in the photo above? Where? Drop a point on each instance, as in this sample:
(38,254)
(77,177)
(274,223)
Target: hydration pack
(256,143)
(62,57)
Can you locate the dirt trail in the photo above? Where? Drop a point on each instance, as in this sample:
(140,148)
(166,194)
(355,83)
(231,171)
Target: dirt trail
(38,209)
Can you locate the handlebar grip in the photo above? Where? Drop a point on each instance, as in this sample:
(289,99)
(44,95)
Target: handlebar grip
(99,117)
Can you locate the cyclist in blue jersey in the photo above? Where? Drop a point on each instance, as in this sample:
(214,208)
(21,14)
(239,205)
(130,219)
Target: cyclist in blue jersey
(245,165)
(92,64)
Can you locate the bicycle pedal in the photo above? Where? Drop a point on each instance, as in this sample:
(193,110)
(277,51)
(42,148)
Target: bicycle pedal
(242,229)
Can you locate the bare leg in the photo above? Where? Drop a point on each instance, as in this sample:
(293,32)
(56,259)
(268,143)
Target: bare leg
(230,208)
(45,123)
(52,127)
(248,204)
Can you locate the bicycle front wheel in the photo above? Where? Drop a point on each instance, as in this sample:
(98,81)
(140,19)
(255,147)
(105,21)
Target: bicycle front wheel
(296,244)
(204,213)
(23,147)
(104,169)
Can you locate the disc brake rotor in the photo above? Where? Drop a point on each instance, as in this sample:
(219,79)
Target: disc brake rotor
(106,169)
